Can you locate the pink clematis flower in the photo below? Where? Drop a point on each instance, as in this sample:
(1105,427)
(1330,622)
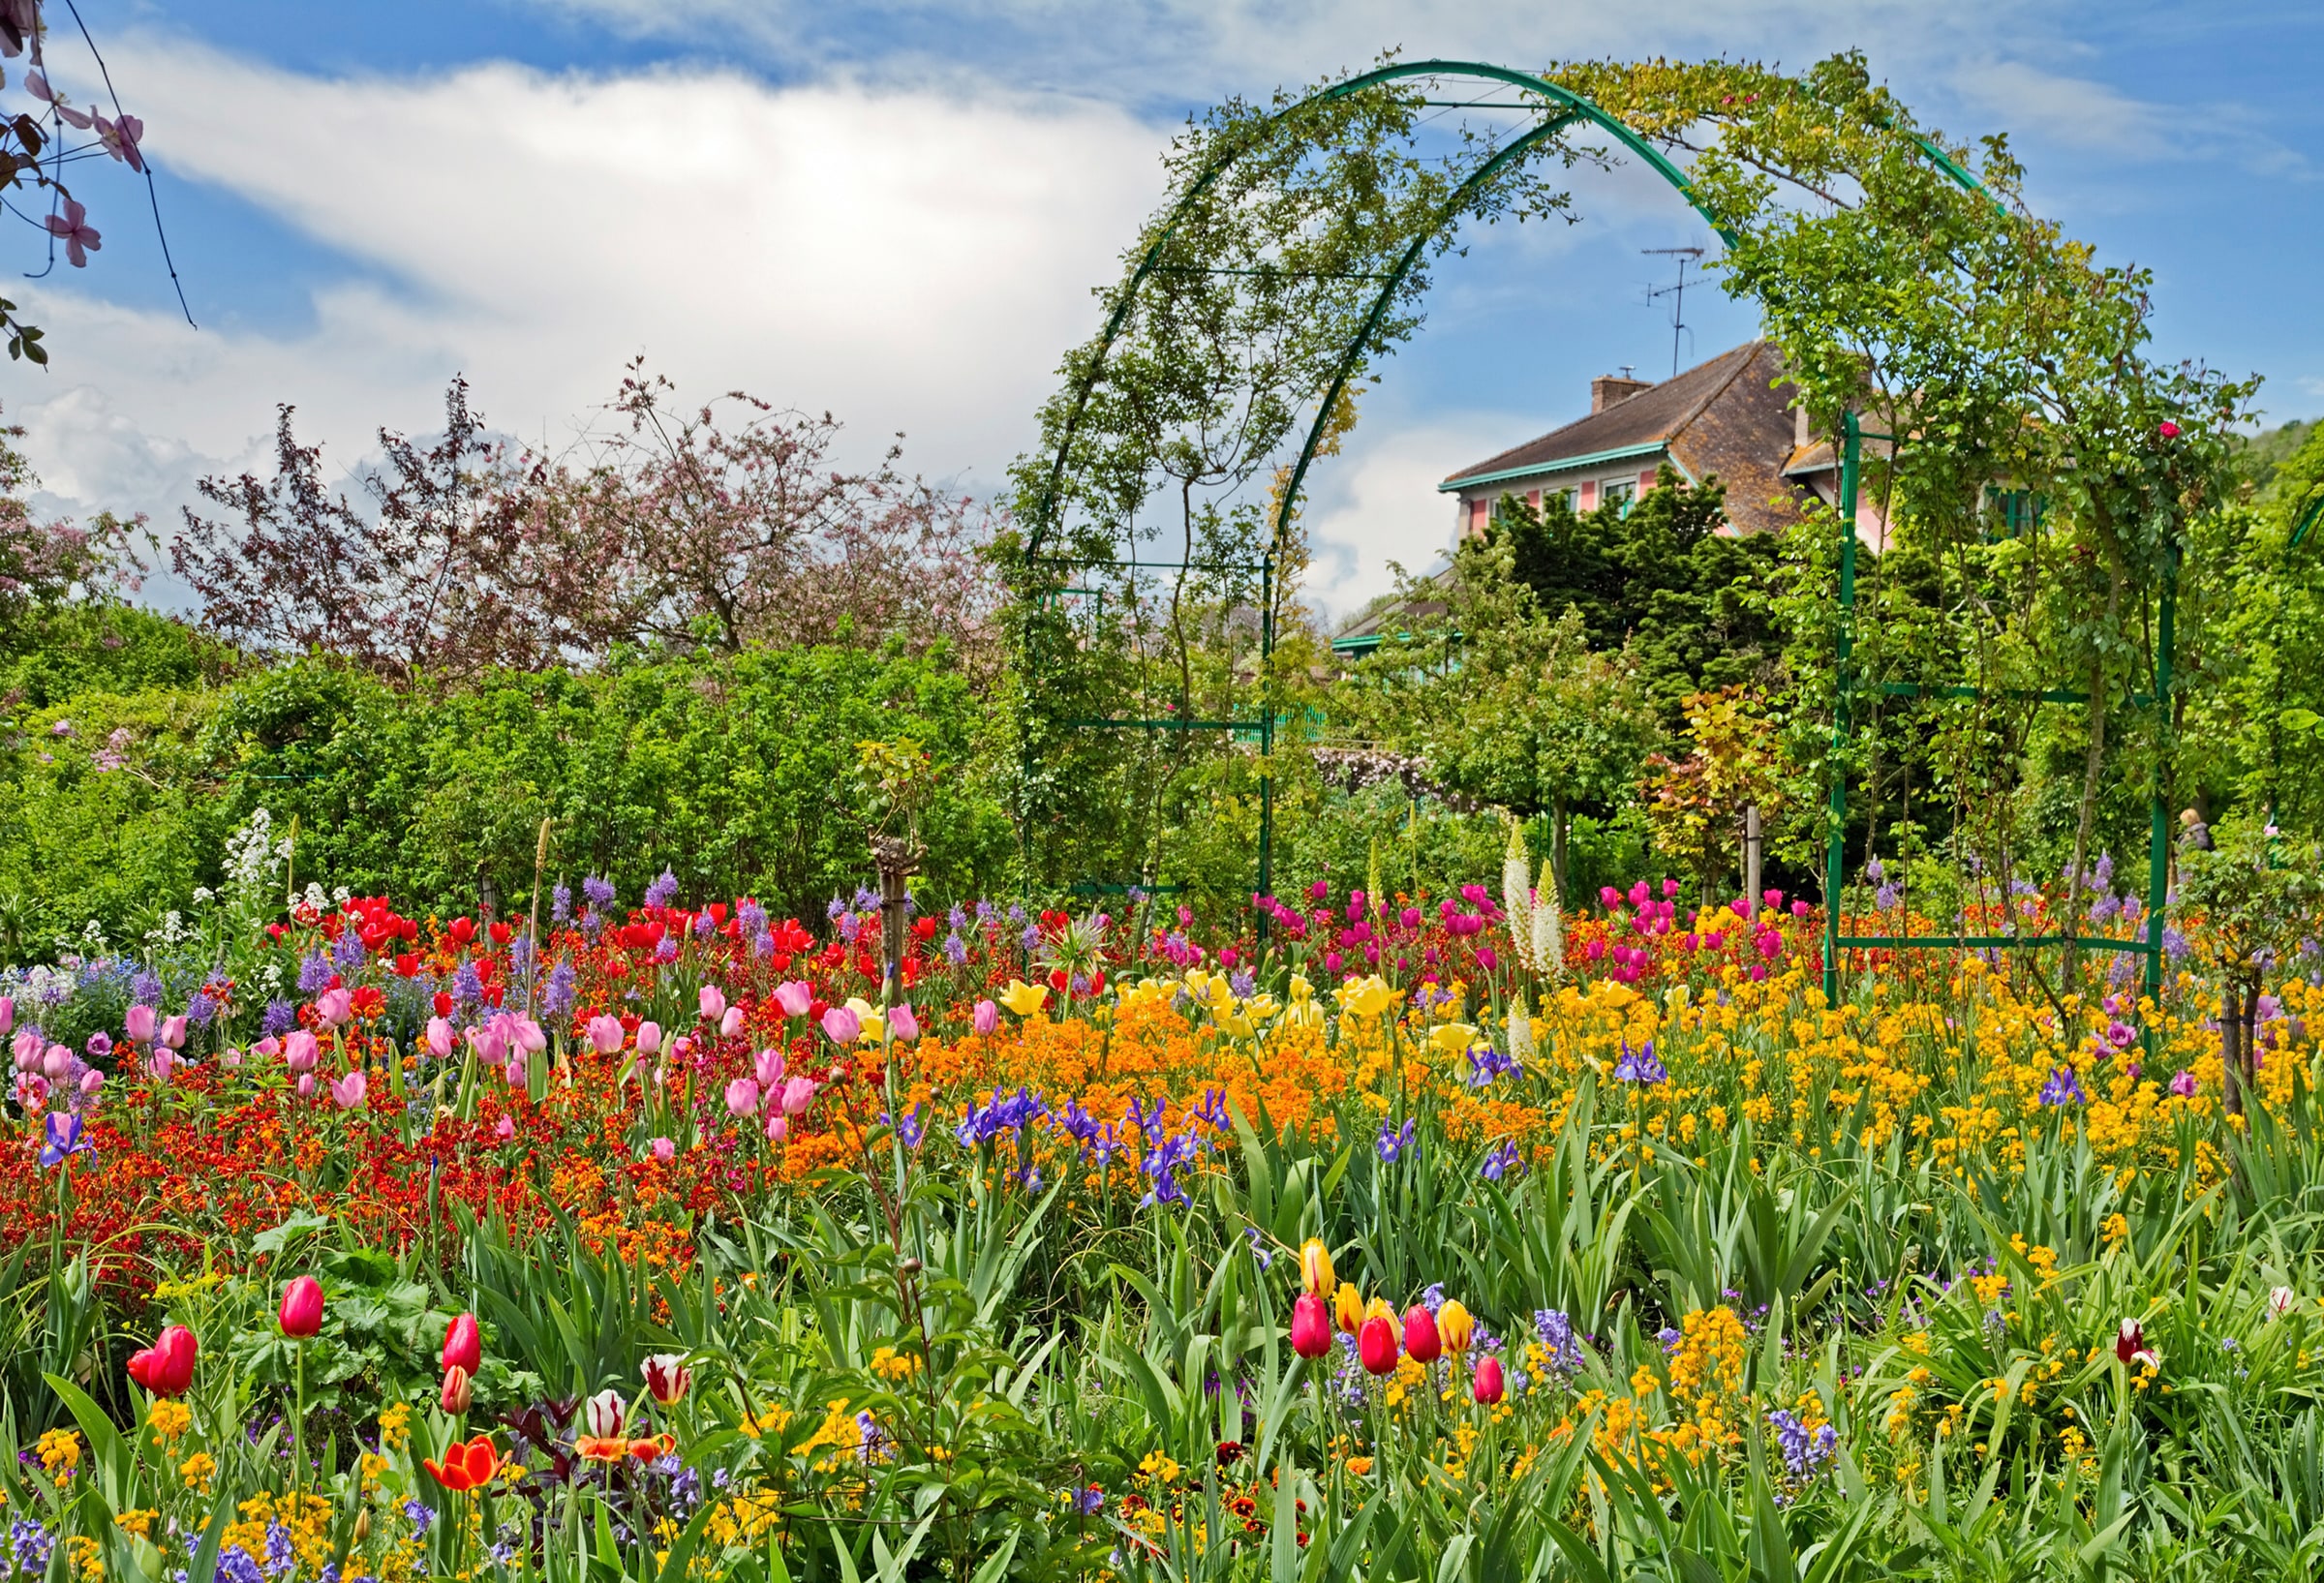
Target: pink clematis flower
(120,139)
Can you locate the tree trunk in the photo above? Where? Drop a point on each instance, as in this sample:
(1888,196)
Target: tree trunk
(2231,1056)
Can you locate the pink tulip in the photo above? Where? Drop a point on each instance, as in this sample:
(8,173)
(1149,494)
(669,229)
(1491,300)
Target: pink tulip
(334,1006)
(298,1051)
(731,1024)
(267,1049)
(90,1081)
(348,1092)
(301,1313)
(841,1025)
(902,1023)
(230,1059)
(505,1128)
(173,1032)
(306,1086)
(768,1065)
(606,1034)
(28,1048)
(778,1125)
(518,1071)
(8,1013)
(986,1020)
(794,998)
(712,1003)
(797,1095)
(159,1065)
(742,1096)
(140,1024)
(56,1060)
(527,1035)
(649,1037)
(490,1048)
(438,1039)
(664,1150)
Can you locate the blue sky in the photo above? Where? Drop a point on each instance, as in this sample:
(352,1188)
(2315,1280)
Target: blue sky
(895,211)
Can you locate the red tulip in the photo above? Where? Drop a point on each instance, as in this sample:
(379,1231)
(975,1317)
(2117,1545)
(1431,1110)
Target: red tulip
(462,931)
(1421,1339)
(2131,1346)
(499,933)
(1310,1325)
(667,1378)
(302,1314)
(463,1348)
(166,1367)
(1486,1386)
(1376,1344)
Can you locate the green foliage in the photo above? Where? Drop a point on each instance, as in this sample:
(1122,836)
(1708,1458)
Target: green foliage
(733,772)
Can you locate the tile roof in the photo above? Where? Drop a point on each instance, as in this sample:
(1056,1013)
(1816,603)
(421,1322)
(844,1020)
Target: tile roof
(1653,416)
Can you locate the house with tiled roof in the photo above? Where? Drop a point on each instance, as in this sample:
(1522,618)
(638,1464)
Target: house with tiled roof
(1733,417)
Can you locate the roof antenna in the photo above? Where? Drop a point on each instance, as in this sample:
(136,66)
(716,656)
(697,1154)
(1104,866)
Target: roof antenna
(1678,294)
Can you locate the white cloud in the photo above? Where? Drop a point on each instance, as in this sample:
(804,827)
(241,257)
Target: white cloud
(910,261)
(1379,504)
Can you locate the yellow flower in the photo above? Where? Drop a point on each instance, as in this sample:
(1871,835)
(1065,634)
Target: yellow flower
(197,1471)
(1455,1327)
(1315,1268)
(1302,992)
(894,1366)
(1452,1038)
(1159,1467)
(1024,998)
(58,1449)
(1366,997)
(170,1420)
(1347,1305)
(395,1425)
(874,1024)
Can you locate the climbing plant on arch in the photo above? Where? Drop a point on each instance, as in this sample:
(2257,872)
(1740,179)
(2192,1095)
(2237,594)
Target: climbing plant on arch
(1902,278)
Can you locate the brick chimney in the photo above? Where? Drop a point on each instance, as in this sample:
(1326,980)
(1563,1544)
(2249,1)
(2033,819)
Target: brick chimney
(1608,388)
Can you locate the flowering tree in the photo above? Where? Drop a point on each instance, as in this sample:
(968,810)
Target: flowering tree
(710,529)
(49,563)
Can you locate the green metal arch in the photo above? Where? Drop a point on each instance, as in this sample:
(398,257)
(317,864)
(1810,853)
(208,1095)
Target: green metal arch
(1569,106)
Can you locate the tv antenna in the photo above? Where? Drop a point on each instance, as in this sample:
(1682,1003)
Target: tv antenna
(1678,294)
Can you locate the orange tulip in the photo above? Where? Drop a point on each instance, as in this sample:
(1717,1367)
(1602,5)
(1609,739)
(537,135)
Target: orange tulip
(466,1465)
(602,1447)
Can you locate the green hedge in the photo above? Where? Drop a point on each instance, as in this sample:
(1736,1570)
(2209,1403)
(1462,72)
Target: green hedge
(732,770)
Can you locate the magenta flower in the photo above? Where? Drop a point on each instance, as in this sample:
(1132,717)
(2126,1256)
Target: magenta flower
(139,1022)
(797,1095)
(2184,1084)
(605,1034)
(768,1064)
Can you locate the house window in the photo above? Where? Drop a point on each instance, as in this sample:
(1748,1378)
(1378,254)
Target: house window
(1589,496)
(1620,493)
(1480,513)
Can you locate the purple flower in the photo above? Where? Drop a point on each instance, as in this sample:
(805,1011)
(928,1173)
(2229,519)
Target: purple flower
(1497,1164)
(314,973)
(663,890)
(560,903)
(63,1138)
(1805,1450)
(1641,1065)
(2063,1088)
(279,1018)
(1089,1501)
(1394,1142)
(600,891)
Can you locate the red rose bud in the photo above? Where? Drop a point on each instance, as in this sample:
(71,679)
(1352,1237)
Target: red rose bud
(463,1347)
(166,1367)
(1376,1344)
(1486,1386)
(2168,429)
(301,1313)
(458,1389)
(1421,1339)
(1310,1325)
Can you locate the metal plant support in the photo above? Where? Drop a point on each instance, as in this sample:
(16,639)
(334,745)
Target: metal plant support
(2159,850)
(1558,109)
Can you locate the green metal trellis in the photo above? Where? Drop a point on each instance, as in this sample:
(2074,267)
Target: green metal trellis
(1559,108)
(1836,821)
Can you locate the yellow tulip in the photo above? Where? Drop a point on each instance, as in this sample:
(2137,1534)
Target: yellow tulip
(1260,1008)
(868,1016)
(1455,1327)
(1452,1038)
(1367,997)
(1379,1308)
(1315,1268)
(1024,998)
(1302,992)
(1348,1307)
